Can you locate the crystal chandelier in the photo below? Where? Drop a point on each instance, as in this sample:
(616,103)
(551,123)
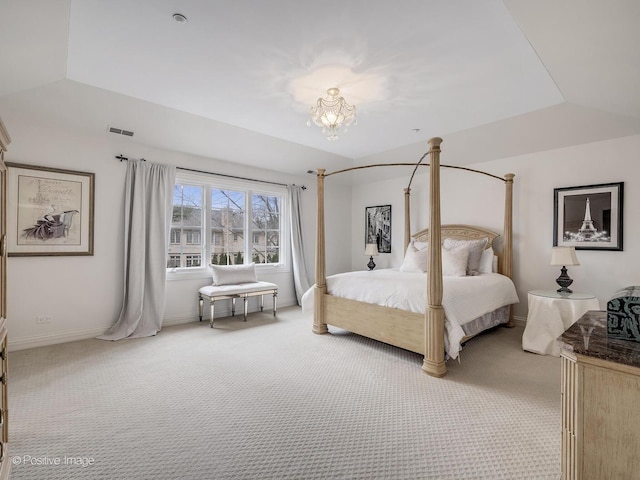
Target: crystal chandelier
(333,114)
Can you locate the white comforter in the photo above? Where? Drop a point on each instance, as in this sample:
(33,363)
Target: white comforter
(464,298)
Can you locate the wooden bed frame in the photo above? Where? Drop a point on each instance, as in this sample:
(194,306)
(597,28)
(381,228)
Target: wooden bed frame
(420,333)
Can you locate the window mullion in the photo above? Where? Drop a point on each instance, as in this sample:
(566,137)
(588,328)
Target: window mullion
(248,220)
(206,226)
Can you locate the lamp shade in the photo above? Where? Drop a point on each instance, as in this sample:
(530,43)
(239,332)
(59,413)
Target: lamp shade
(371,249)
(564,256)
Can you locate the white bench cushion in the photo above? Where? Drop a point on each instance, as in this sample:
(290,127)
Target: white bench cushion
(237,289)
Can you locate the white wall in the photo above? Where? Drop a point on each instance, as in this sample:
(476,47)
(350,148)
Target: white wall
(469,198)
(83,295)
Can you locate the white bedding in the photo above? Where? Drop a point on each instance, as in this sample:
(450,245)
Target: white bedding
(464,298)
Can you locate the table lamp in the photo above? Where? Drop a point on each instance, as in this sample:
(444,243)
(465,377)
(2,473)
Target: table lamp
(372,250)
(563,256)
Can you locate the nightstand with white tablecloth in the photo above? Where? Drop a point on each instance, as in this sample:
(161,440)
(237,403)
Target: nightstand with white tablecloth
(550,315)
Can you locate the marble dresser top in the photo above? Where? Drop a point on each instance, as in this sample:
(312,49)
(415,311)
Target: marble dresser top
(588,337)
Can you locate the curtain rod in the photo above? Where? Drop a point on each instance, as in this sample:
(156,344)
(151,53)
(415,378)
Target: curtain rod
(121,158)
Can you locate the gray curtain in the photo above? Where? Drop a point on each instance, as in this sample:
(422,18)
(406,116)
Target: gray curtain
(147,222)
(300,270)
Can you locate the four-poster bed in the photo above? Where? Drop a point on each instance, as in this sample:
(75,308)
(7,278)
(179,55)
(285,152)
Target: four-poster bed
(423,333)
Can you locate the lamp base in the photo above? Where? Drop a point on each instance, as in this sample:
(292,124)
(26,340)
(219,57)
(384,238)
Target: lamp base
(371,263)
(564,281)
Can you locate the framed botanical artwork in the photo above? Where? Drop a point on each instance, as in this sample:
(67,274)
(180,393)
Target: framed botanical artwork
(378,227)
(49,211)
(588,217)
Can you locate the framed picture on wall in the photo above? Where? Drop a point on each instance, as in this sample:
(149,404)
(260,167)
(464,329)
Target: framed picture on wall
(378,227)
(49,211)
(588,217)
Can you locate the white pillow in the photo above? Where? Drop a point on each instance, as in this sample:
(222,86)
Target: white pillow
(415,260)
(233,274)
(454,262)
(475,251)
(486,261)
(420,245)
(494,264)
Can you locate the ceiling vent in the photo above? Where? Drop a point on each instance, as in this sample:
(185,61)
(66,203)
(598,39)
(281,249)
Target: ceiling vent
(119,131)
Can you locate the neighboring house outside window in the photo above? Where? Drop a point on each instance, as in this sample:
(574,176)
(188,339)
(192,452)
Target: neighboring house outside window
(194,237)
(174,261)
(193,260)
(215,220)
(186,223)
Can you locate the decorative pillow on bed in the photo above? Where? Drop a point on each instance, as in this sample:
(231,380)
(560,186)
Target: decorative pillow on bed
(475,248)
(420,245)
(454,262)
(233,274)
(486,261)
(415,260)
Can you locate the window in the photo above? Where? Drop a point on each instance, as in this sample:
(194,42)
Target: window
(227,214)
(228,222)
(174,261)
(192,260)
(186,222)
(266,228)
(193,237)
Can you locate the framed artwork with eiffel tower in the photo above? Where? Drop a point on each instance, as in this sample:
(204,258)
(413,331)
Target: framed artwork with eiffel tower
(588,217)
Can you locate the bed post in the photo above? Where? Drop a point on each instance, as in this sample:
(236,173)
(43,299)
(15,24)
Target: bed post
(320,288)
(407,218)
(507,249)
(433,362)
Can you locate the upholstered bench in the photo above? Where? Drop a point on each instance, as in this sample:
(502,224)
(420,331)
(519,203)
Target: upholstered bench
(231,282)
(213,293)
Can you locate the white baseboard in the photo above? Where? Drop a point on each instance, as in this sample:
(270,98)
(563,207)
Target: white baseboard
(72,336)
(520,321)
(52,339)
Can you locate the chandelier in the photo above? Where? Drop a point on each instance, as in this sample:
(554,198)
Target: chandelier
(333,114)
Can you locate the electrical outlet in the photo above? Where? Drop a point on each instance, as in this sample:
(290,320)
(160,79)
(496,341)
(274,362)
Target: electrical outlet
(43,319)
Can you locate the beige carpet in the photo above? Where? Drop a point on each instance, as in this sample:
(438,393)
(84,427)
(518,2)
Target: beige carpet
(268,399)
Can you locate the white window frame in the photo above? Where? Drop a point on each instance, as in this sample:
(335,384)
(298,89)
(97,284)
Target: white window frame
(249,188)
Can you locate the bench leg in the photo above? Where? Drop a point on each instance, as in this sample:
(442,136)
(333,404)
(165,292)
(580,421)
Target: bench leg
(233,307)
(200,306)
(262,303)
(246,307)
(275,302)
(212,308)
